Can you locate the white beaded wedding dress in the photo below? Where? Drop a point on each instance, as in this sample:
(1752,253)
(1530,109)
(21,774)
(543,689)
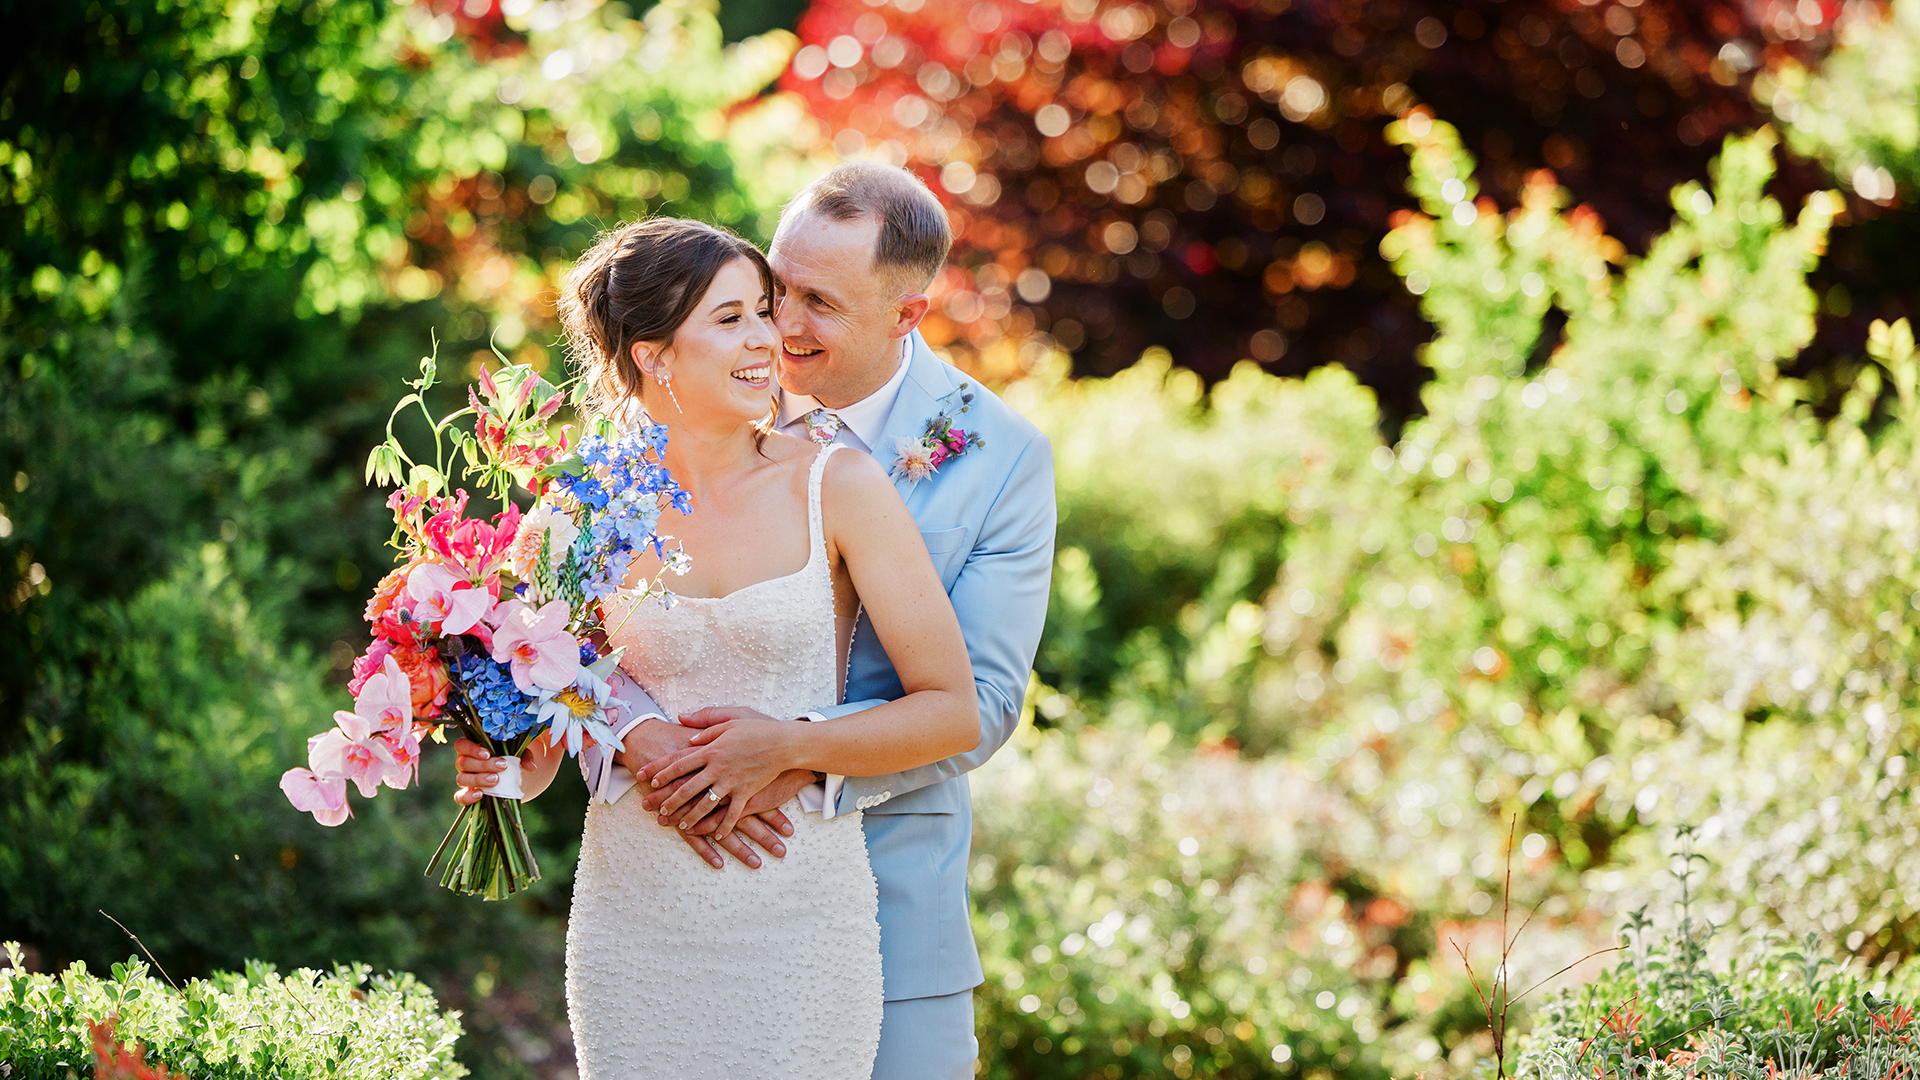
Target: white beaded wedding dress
(675,969)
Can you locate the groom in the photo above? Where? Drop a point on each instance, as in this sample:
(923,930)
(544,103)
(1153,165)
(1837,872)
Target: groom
(855,253)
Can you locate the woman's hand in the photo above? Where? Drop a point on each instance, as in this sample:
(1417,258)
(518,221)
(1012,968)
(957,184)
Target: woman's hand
(479,770)
(729,762)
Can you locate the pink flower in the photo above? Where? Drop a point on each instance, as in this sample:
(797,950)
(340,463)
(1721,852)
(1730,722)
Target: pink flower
(915,462)
(537,644)
(351,751)
(325,799)
(370,664)
(357,749)
(384,700)
(474,546)
(449,604)
(937,454)
(403,746)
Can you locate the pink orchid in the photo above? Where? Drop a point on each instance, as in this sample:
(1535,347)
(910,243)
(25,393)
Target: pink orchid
(356,750)
(385,699)
(403,745)
(351,751)
(448,603)
(542,653)
(325,799)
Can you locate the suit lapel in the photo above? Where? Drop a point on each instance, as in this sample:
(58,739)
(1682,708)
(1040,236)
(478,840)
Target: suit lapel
(927,381)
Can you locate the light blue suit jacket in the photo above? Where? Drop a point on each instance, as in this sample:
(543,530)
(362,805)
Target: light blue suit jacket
(988,519)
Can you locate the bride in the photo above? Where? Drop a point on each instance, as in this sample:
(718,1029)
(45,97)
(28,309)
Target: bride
(676,968)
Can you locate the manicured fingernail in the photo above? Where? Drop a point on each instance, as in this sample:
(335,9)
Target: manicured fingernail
(683,826)
(483,755)
(786,830)
(753,862)
(656,783)
(779,849)
(490,781)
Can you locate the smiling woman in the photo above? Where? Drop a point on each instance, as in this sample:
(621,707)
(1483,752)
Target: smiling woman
(617,308)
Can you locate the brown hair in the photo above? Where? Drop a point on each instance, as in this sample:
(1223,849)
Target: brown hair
(639,282)
(914,232)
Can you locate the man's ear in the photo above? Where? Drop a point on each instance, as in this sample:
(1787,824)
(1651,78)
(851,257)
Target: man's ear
(909,311)
(651,358)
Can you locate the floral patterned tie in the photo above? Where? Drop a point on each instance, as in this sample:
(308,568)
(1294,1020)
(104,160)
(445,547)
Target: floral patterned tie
(822,425)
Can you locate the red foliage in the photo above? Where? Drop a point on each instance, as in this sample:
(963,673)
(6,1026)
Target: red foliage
(120,1061)
(1210,174)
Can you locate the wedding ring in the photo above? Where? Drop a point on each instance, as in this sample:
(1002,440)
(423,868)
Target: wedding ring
(712,795)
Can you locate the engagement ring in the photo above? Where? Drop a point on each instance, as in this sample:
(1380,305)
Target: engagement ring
(712,795)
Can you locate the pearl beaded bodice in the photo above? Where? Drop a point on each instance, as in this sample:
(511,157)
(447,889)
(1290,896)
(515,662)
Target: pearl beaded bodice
(770,646)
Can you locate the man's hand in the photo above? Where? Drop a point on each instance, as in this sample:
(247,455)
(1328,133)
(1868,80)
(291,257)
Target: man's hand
(657,739)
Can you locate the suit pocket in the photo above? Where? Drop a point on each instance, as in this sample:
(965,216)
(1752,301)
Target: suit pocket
(949,550)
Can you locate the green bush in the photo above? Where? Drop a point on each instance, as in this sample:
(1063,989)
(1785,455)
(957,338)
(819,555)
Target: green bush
(1769,1006)
(228,1026)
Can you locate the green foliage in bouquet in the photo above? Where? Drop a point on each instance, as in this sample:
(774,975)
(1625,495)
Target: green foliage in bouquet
(346,1023)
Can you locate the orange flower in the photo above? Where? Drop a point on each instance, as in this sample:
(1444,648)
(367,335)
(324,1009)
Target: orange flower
(385,594)
(428,678)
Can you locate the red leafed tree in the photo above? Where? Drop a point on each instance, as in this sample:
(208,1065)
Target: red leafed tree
(1209,175)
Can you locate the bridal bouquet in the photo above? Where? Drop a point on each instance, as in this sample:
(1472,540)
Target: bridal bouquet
(493,624)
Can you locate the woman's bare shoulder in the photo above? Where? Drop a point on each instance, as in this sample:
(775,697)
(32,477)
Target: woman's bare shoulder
(854,481)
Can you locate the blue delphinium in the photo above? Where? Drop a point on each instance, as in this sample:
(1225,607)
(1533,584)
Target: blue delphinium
(620,486)
(505,712)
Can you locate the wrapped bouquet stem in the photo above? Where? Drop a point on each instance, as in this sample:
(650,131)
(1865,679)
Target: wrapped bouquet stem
(492,625)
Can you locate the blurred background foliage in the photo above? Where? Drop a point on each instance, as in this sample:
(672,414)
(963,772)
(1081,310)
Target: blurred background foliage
(1468,414)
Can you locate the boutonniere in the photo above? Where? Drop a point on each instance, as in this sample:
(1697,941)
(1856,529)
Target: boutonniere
(940,442)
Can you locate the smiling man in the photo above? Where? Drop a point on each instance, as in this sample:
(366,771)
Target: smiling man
(855,254)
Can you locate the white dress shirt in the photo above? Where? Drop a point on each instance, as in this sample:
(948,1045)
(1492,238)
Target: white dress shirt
(861,422)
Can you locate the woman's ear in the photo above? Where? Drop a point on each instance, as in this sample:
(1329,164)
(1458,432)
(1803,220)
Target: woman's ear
(650,357)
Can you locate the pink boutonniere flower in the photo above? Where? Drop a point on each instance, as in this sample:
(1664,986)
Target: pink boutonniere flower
(939,443)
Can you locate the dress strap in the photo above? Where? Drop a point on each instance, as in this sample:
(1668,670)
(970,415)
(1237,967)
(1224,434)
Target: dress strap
(814,477)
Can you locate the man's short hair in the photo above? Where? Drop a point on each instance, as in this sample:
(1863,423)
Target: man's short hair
(914,233)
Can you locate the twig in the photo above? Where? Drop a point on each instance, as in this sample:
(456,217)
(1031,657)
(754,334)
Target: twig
(143,948)
(1569,967)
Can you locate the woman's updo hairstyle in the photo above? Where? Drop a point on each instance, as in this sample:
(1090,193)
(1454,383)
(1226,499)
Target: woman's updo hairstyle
(640,282)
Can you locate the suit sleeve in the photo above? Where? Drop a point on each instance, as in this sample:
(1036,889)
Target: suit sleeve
(1001,599)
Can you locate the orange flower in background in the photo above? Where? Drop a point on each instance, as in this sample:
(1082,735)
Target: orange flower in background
(117,1061)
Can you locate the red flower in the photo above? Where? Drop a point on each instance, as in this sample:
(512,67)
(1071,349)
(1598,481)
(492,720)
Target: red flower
(476,547)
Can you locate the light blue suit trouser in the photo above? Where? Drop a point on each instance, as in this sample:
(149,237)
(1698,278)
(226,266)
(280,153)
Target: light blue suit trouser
(928,1039)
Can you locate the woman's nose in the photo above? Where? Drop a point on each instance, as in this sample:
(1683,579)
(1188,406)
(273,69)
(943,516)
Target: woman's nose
(763,334)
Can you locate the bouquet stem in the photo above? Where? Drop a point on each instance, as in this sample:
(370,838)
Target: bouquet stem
(486,853)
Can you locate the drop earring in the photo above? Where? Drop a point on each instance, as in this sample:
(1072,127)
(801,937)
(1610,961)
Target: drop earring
(667,385)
